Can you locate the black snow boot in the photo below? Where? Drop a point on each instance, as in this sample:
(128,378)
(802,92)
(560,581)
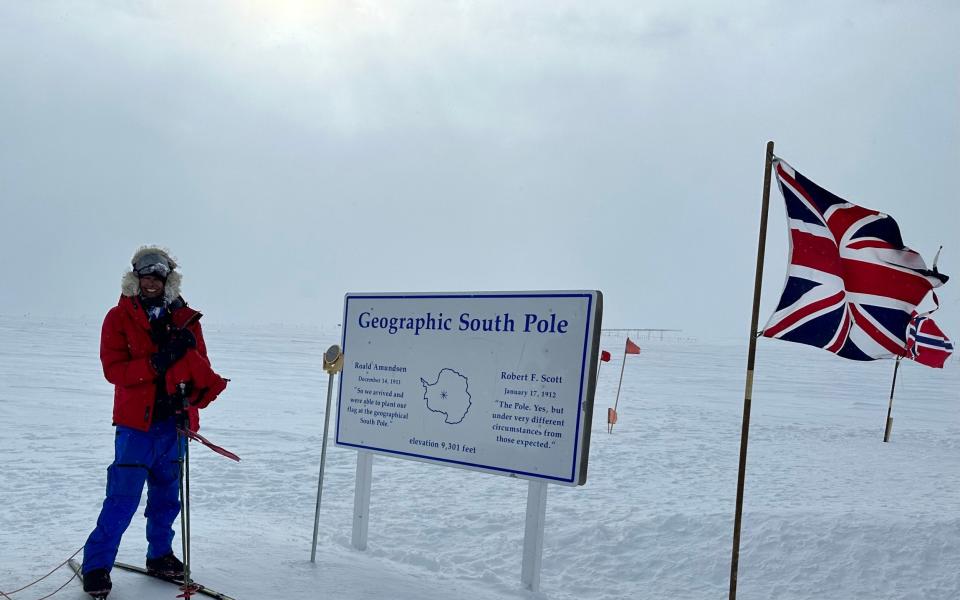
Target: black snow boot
(168,565)
(97,583)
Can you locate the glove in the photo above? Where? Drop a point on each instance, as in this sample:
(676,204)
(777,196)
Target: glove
(182,337)
(180,341)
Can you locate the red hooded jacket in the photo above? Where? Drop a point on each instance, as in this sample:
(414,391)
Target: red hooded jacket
(125,351)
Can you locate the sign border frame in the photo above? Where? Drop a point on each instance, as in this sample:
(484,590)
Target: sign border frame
(585,401)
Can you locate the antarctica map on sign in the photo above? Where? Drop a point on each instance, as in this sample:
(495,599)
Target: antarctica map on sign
(449,395)
(499,382)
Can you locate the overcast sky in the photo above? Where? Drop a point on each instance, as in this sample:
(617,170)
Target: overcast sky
(289,152)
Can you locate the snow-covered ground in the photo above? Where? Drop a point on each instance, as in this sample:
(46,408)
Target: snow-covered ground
(830,511)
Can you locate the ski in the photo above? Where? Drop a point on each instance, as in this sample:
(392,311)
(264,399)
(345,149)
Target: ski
(76,569)
(197,588)
(200,589)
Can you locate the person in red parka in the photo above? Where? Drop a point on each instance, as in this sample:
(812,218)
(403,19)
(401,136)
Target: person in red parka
(152,350)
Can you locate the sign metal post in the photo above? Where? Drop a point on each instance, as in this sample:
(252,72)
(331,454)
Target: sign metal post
(361,500)
(533,535)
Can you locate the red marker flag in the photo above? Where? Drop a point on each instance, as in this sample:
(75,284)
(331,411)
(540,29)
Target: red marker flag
(604,356)
(193,435)
(631,348)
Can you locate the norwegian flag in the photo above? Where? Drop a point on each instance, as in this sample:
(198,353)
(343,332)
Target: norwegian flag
(852,286)
(926,343)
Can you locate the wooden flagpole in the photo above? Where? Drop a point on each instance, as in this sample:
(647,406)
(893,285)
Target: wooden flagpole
(617,401)
(748,393)
(886,432)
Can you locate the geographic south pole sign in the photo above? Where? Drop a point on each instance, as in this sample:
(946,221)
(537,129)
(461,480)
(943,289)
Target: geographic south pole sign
(499,382)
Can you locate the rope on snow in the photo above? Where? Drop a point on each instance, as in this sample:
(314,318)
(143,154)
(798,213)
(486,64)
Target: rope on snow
(8,594)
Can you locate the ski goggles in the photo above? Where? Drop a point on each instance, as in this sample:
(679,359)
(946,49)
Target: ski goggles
(152,264)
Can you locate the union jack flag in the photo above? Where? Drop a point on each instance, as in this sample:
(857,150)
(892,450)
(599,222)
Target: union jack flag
(852,287)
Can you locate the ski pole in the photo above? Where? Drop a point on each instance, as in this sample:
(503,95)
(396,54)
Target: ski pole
(185,491)
(332,363)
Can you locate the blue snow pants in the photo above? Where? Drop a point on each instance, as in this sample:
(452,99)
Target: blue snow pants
(140,456)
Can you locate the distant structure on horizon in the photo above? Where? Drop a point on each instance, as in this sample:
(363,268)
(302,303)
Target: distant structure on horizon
(640,333)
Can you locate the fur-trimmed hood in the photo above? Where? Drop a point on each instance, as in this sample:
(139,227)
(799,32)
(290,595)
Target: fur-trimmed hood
(130,284)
